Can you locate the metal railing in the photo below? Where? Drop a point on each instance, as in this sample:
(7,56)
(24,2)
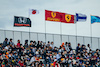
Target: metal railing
(56,38)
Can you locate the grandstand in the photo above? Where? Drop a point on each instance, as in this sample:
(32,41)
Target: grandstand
(18,51)
(49,33)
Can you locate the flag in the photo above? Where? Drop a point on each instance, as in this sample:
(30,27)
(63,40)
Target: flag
(52,16)
(81,17)
(58,17)
(22,21)
(33,11)
(95,19)
(67,18)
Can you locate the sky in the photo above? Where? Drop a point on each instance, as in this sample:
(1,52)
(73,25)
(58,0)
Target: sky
(11,8)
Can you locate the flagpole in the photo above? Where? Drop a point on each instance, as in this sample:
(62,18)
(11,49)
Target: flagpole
(13,31)
(76,29)
(91,33)
(76,32)
(98,44)
(29,35)
(45,31)
(61,31)
(29,30)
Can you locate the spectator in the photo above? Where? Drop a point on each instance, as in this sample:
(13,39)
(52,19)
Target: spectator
(66,47)
(21,63)
(26,44)
(38,54)
(88,48)
(48,45)
(11,43)
(5,42)
(78,48)
(62,45)
(18,44)
(52,45)
(58,56)
(55,63)
(69,45)
(7,47)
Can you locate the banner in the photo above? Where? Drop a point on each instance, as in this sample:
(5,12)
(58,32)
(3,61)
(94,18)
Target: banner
(58,17)
(52,16)
(22,21)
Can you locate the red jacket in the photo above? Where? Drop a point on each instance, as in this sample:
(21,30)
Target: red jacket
(21,64)
(18,44)
(54,64)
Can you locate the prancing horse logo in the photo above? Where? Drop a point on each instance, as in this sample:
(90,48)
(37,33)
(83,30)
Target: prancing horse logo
(67,17)
(53,14)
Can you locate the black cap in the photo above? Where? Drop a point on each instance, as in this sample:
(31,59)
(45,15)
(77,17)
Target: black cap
(11,39)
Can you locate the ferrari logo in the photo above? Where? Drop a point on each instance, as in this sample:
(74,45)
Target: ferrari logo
(68,17)
(53,14)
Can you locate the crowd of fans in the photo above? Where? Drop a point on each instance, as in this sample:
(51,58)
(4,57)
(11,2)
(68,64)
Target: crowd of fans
(40,54)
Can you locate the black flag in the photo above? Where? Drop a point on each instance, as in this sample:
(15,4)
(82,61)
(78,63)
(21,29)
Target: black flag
(22,21)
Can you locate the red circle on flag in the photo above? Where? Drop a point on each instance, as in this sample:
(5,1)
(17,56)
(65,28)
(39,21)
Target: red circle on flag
(34,12)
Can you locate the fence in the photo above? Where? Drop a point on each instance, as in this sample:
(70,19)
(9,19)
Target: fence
(56,38)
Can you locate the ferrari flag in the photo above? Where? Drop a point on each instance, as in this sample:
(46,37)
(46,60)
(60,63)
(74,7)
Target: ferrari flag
(58,17)
(52,16)
(22,21)
(67,18)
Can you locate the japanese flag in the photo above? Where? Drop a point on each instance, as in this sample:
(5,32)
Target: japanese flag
(33,11)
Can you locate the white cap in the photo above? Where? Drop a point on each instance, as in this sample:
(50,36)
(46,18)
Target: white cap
(55,59)
(37,52)
(54,56)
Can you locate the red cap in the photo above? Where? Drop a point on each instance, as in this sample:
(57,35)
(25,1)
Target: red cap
(77,58)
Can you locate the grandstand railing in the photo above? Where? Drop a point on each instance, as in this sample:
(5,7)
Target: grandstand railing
(56,38)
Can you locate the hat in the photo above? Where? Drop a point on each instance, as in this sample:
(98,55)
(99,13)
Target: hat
(52,64)
(77,58)
(26,55)
(62,59)
(71,58)
(37,52)
(11,39)
(55,59)
(40,57)
(7,53)
(63,43)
